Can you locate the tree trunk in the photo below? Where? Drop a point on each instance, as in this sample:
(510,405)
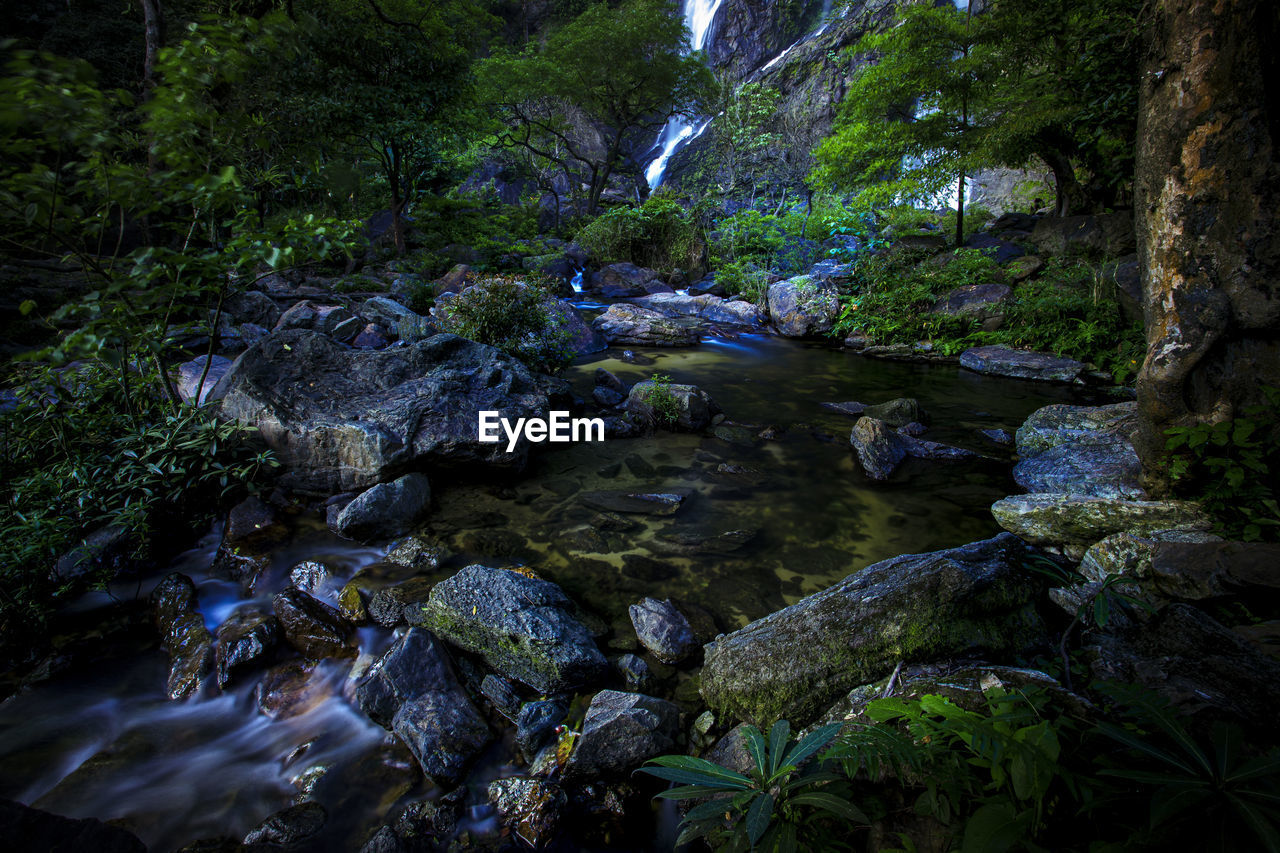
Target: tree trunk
(153,33)
(960,212)
(1070,196)
(1207,192)
(397,198)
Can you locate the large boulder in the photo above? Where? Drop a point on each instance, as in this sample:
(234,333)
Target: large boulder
(190,373)
(1109,234)
(386,510)
(342,419)
(1081,450)
(711,309)
(620,732)
(1020,364)
(795,663)
(619,281)
(981,301)
(252,306)
(631,324)
(523,627)
(327,319)
(1074,522)
(803,306)
(674,406)
(879,448)
(581,338)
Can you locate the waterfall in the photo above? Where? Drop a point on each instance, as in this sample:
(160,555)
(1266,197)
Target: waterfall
(698,15)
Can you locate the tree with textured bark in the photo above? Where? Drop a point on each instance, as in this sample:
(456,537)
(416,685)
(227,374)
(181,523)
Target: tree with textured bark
(1208,192)
(597,88)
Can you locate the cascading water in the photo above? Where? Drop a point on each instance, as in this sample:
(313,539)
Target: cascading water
(680,130)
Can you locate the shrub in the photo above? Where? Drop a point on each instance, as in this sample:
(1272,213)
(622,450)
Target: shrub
(659,234)
(519,317)
(666,408)
(744,278)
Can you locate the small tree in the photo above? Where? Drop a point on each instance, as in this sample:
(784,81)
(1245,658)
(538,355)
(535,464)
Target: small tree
(597,88)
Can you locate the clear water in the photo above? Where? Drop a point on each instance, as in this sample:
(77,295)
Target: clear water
(102,740)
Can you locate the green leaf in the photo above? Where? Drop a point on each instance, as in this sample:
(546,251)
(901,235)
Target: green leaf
(778,736)
(994,828)
(758,817)
(830,803)
(811,743)
(756,748)
(696,771)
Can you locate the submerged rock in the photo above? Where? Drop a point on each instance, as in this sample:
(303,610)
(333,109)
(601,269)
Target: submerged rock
(521,626)
(663,630)
(794,663)
(311,626)
(530,808)
(646,503)
(287,690)
(244,640)
(342,419)
(1020,364)
(386,510)
(620,732)
(1074,522)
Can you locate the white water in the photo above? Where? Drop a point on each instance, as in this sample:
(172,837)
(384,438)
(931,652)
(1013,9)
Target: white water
(821,28)
(576,281)
(680,130)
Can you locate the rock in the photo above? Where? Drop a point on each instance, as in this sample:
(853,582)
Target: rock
(33,829)
(932,243)
(182,634)
(252,524)
(502,693)
(290,827)
(311,626)
(106,552)
(372,336)
(634,671)
(606,379)
(794,663)
(731,751)
(1020,364)
(879,448)
(1185,565)
(386,510)
(1001,251)
(645,503)
(387,605)
(692,408)
(309,316)
(1073,523)
(453,281)
(631,324)
(521,626)
(252,306)
(309,576)
(1104,471)
(529,808)
(582,339)
(1126,275)
(921,449)
(287,690)
(1021,269)
(243,640)
(444,732)
(803,307)
(620,732)
(898,412)
(387,312)
(426,821)
(1060,424)
(997,436)
(619,281)
(351,604)
(536,724)
(981,301)
(1014,221)
(411,667)
(418,553)
(710,309)
(1109,235)
(607,397)
(190,372)
(230,563)
(663,630)
(342,419)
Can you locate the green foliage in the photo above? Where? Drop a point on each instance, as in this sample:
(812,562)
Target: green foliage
(1230,467)
(519,317)
(769,240)
(659,234)
(786,803)
(745,279)
(666,408)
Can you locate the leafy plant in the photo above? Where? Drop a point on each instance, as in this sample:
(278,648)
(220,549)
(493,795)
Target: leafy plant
(782,805)
(744,278)
(666,408)
(517,316)
(659,234)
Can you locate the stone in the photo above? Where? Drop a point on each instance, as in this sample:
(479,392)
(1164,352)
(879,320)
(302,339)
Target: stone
(182,634)
(252,524)
(1021,269)
(981,301)
(341,419)
(1108,234)
(309,316)
(1125,275)
(387,605)
(796,662)
(311,626)
(607,379)
(1073,522)
(1104,471)
(412,666)
(230,563)
(386,312)
(453,281)
(619,281)
(932,243)
(444,732)
(254,307)
(522,627)
(803,307)
(502,693)
(372,336)
(634,671)
(898,412)
(1020,364)
(663,630)
(351,604)
(1185,565)
(644,503)
(693,408)
(630,324)
(287,690)
(528,807)
(536,724)
(245,639)
(620,732)
(879,448)
(1001,437)
(582,339)
(190,373)
(290,827)
(309,575)
(416,552)
(709,309)
(33,829)
(1001,251)
(386,510)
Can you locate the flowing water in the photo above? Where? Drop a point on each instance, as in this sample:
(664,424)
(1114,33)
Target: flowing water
(102,741)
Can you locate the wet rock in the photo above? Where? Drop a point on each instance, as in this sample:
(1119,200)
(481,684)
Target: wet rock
(631,324)
(1020,364)
(384,840)
(581,338)
(443,730)
(386,510)
(709,309)
(190,372)
(309,576)
(794,663)
(425,821)
(291,827)
(529,808)
(502,693)
(32,829)
(234,564)
(287,690)
(182,634)
(981,301)
(663,630)
(803,306)
(898,412)
(245,639)
(634,671)
(387,605)
(252,524)
(418,552)
(672,406)
(309,316)
(342,419)
(879,448)
(606,379)
(619,281)
(620,732)
(607,397)
(351,604)
(536,724)
(311,626)
(253,306)
(521,626)
(406,670)
(1073,522)
(645,503)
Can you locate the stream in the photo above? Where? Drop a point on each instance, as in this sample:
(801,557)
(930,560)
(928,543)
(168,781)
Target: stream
(101,740)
